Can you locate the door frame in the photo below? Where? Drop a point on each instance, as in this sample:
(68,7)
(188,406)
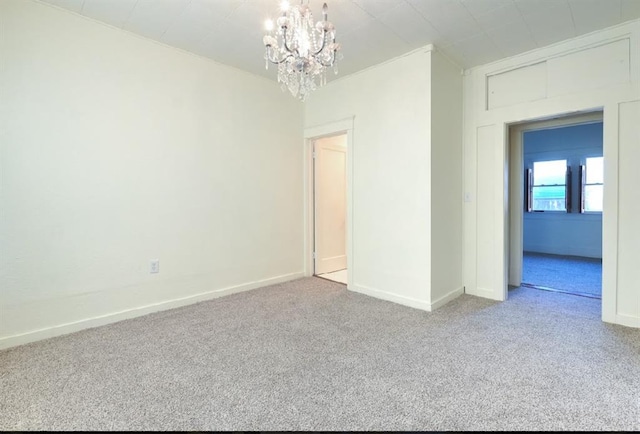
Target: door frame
(344,126)
(515,158)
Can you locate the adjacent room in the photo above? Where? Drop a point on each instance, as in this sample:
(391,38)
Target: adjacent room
(253,215)
(563,209)
(330,207)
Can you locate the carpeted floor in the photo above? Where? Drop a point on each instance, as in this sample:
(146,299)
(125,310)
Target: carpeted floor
(568,273)
(310,355)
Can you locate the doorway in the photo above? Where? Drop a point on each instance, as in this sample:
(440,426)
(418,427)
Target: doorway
(344,127)
(330,207)
(555,204)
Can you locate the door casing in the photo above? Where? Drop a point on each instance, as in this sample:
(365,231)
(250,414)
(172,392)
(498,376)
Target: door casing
(344,126)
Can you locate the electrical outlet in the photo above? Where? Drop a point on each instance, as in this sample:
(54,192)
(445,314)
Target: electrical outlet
(154,266)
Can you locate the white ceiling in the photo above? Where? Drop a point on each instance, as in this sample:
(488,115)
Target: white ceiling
(471,32)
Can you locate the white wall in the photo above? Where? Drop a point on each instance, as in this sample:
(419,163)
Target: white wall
(446,180)
(598,71)
(115,150)
(391,176)
(563,234)
(407,175)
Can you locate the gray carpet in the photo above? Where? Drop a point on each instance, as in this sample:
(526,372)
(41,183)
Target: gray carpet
(309,355)
(567,273)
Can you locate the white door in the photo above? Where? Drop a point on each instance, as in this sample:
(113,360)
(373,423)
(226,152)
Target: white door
(330,181)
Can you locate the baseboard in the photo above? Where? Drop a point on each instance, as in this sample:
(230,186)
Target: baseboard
(447,298)
(63,329)
(389,296)
(626,320)
(563,251)
(482,292)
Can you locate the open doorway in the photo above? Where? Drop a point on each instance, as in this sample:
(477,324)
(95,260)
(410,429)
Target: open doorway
(343,128)
(330,207)
(555,204)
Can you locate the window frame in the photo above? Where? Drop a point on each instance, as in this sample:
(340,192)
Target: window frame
(582,179)
(530,185)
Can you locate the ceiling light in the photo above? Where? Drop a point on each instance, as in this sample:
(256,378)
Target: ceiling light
(302,49)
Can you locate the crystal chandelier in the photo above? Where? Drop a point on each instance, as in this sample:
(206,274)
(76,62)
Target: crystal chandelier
(302,49)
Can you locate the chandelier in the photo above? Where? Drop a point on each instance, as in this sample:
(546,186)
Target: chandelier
(302,49)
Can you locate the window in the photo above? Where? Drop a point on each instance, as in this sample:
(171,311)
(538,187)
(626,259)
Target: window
(547,186)
(592,179)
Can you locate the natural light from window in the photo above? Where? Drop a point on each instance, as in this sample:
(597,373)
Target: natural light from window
(549,188)
(593,185)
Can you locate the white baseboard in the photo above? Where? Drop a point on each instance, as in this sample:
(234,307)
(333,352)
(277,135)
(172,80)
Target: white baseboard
(447,298)
(389,296)
(63,329)
(483,292)
(627,321)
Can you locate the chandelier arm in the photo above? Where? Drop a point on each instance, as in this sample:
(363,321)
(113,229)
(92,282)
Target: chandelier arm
(270,57)
(324,43)
(278,62)
(273,59)
(270,54)
(284,38)
(327,65)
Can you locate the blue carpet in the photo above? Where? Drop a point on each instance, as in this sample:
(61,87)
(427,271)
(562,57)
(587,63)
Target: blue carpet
(566,273)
